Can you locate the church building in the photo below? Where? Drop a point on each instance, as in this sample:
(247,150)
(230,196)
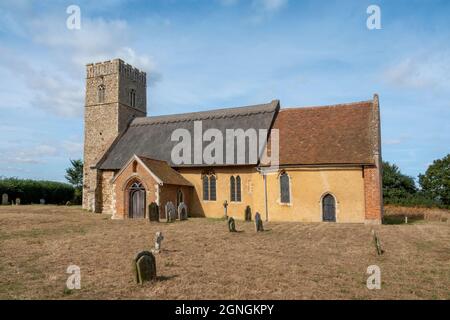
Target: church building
(328,166)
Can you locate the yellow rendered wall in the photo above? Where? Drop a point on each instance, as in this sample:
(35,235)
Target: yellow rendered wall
(307,188)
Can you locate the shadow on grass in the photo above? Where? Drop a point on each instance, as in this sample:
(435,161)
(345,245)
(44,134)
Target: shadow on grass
(400,219)
(165,278)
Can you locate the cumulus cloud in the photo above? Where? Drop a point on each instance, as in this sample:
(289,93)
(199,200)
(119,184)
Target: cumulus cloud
(262,8)
(426,71)
(33,155)
(42,152)
(56,84)
(228,2)
(270,5)
(74,149)
(49,90)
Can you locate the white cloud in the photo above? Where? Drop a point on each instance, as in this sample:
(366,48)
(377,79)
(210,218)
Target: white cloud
(73,148)
(56,84)
(33,155)
(270,5)
(392,141)
(228,2)
(263,8)
(52,91)
(425,71)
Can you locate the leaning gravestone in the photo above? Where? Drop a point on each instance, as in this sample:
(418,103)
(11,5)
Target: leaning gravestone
(144,267)
(17,201)
(158,239)
(248,214)
(377,243)
(154,212)
(171,212)
(258,223)
(182,211)
(231,225)
(4,198)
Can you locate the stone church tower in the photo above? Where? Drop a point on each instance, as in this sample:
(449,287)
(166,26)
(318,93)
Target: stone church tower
(115,94)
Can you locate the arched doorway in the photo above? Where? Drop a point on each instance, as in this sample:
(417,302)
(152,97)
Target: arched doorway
(328,208)
(137,201)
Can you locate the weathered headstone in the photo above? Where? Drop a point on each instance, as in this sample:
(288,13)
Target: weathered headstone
(171,212)
(153,209)
(42,201)
(258,223)
(231,225)
(144,267)
(377,243)
(248,214)
(182,211)
(4,198)
(17,201)
(158,239)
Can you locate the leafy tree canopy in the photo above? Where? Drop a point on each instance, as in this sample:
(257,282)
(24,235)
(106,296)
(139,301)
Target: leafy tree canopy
(396,185)
(435,183)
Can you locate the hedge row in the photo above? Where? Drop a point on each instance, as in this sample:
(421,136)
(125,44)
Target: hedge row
(31,191)
(415,200)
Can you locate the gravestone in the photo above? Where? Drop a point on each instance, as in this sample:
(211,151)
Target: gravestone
(171,212)
(17,201)
(144,267)
(248,214)
(377,242)
(153,210)
(158,239)
(231,225)
(4,198)
(182,211)
(42,201)
(258,223)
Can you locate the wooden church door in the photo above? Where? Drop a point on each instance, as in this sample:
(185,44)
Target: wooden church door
(137,201)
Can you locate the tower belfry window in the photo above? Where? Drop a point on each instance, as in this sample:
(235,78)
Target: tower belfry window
(101,93)
(133,98)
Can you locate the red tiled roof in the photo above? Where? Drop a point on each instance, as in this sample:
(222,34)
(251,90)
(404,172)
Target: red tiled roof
(339,134)
(164,172)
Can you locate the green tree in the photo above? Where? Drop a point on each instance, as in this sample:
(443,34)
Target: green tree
(435,183)
(74,175)
(396,185)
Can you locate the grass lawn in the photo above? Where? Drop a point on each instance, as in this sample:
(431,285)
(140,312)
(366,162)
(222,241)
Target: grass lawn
(202,260)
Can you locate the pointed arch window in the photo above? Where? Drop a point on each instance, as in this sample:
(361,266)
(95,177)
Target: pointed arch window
(212,188)
(238,189)
(101,93)
(285,193)
(132,97)
(209,187)
(205,188)
(235,189)
(232,189)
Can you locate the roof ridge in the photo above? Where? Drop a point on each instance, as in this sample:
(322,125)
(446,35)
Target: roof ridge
(208,114)
(148,158)
(327,106)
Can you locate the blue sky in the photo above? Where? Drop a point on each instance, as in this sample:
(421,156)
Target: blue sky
(202,55)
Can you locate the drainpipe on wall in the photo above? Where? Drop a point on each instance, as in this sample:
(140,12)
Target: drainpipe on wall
(265,196)
(264,174)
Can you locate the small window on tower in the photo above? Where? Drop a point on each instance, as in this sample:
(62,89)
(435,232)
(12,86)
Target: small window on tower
(133,98)
(101,93)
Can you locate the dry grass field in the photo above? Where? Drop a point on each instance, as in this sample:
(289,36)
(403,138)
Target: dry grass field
(202,260)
